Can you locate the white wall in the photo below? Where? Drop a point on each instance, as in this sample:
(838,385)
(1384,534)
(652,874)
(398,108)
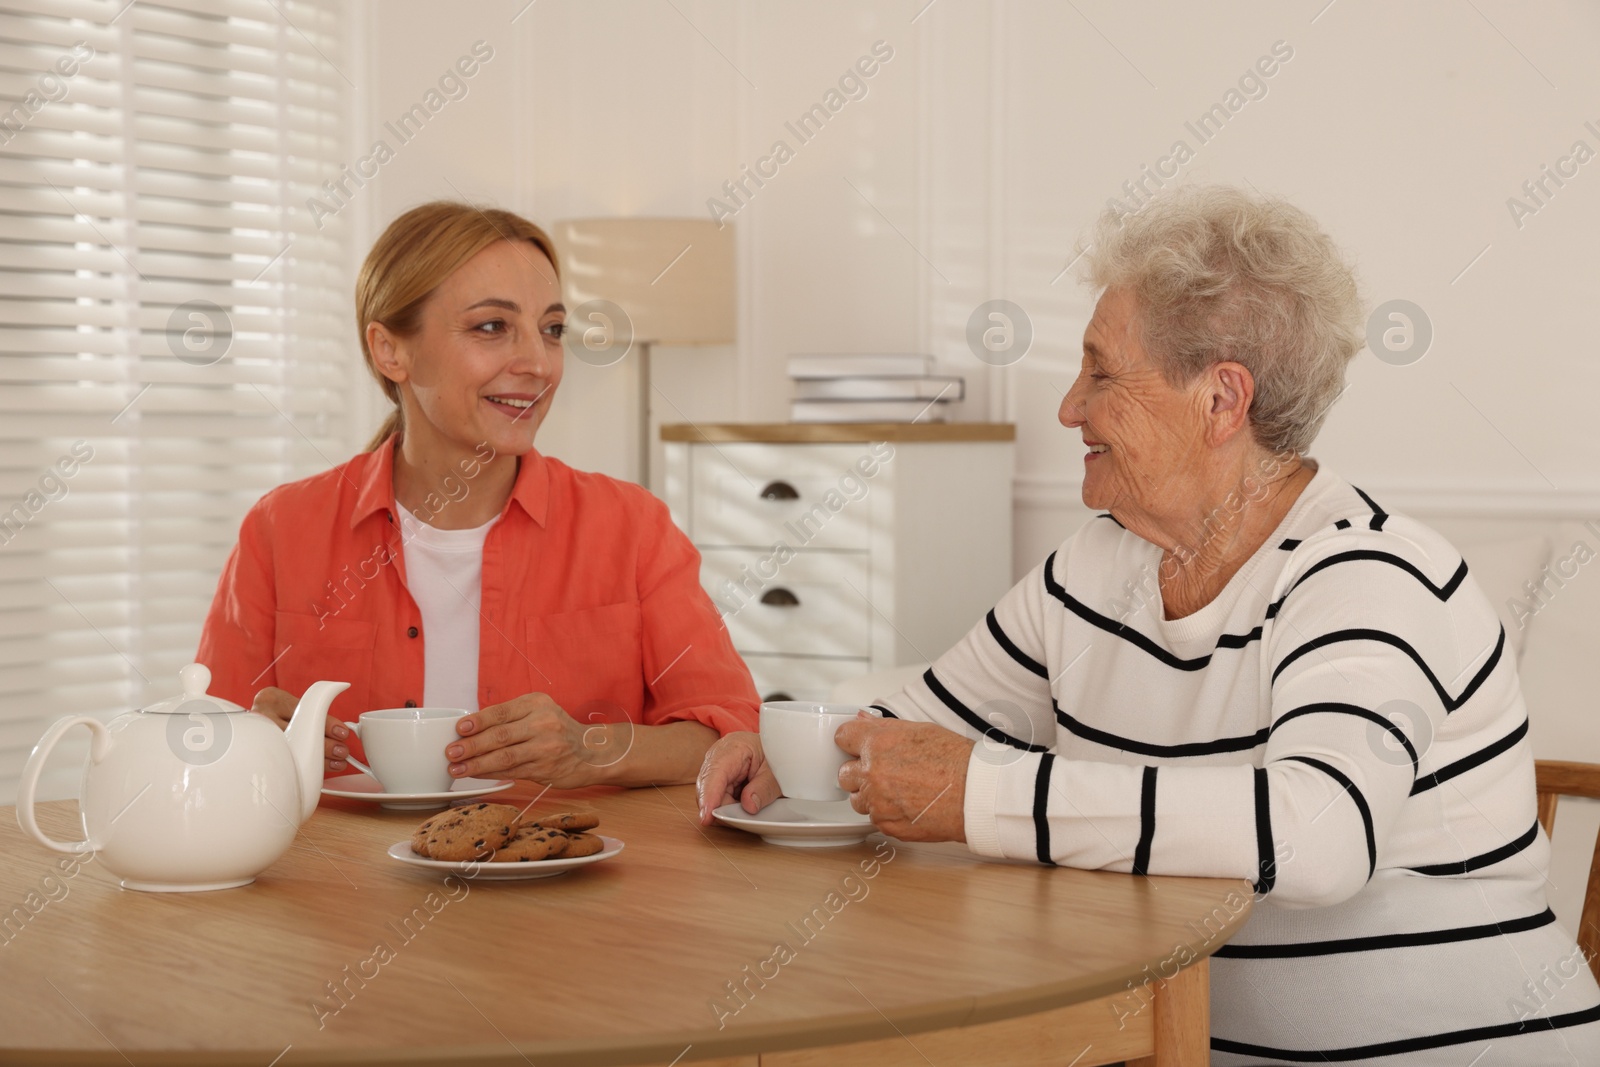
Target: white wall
(989,143)
(987,146)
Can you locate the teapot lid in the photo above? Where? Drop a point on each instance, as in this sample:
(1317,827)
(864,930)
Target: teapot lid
(194,699)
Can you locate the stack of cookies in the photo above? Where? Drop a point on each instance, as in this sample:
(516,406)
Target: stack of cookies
(496,833)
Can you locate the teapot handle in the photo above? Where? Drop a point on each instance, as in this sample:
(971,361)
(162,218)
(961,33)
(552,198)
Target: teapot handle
(30,778)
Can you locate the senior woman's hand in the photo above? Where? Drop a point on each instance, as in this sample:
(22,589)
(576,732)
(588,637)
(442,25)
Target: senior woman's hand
(911,777)
(531,737)
(735,769)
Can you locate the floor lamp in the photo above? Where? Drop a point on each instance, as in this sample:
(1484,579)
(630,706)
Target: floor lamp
(636,282)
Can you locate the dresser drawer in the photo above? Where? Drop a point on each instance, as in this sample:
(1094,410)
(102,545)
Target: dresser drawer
(815,604)
(801,677)
(803,495)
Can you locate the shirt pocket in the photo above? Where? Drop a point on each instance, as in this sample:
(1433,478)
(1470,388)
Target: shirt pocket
(590,662)
(310,649)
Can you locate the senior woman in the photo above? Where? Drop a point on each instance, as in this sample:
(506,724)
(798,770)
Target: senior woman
(1248,668)
(453,565)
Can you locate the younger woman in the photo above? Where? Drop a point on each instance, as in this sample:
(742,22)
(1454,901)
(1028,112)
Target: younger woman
(453,565)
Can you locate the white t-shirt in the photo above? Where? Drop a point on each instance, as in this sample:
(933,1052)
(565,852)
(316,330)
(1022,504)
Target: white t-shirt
(444,570)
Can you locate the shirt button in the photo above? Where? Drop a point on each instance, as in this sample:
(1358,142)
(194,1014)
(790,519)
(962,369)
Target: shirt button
(411,631)
(411,703)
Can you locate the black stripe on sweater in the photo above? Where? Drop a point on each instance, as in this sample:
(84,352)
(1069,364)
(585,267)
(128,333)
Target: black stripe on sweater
(1487,859)
(887,714)
(970,717)
(1108,515)
(1148,748)
(1410,1044)
(1355,795)
(1371,555)
(1023,660)
(1379,516)
(1384,637)
(1266,862)
(1378,942)
(1128,633)
(1467,763)
(1041,809)
(1147,822)
(1139,640)
(1360,712)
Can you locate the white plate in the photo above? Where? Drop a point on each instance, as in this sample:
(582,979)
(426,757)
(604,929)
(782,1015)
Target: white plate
(489,871)
(801,823)
(366,787)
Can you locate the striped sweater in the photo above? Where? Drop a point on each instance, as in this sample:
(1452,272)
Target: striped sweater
(1342,726)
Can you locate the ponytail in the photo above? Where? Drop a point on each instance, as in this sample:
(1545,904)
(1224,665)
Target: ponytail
(392,424)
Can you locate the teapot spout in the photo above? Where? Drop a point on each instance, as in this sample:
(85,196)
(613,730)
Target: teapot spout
(305,735)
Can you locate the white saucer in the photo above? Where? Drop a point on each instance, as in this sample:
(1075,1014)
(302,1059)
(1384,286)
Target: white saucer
(489,871)
(801,823)
(366,787)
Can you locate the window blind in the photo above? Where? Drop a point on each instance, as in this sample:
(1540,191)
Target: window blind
(174,328)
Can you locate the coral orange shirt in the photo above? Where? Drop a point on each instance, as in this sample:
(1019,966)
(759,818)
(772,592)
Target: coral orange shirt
(590,594)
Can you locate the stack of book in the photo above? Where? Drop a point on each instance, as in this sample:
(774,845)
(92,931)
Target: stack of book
(877,387)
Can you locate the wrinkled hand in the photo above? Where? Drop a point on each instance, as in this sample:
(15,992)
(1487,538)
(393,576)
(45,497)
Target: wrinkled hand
(531,738)
(735,769)
(278,705)
(911,777)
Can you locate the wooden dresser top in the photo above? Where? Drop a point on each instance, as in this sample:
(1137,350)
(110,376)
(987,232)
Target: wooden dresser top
(814,433)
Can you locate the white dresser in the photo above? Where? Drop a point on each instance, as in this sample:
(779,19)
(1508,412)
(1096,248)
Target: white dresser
(838,549)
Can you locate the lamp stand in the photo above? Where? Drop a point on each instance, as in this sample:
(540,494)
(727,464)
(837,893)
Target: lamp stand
(644,414)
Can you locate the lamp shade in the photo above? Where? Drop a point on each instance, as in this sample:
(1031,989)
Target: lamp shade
(672,276)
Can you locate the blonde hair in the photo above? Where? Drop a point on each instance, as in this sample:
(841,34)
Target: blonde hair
(1218,274)
(418,251)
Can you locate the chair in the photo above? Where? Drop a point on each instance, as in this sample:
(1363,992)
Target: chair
(1556,779)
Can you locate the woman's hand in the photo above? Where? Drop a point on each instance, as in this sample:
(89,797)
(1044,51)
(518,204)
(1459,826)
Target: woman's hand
(532,738)
(911,777)
(735,769)
(278,705)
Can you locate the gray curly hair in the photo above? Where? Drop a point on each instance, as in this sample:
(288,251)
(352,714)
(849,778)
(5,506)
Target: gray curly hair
(1218,274)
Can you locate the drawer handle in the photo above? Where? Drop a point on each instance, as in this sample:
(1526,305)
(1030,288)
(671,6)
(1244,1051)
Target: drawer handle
(779,491)
(780,598)
(779,695)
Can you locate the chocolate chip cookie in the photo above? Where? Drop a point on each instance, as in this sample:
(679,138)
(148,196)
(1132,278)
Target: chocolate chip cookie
(569,821)
(583,845)
(532,843)
(465,833)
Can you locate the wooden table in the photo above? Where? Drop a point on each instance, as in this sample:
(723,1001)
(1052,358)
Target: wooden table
(668,953)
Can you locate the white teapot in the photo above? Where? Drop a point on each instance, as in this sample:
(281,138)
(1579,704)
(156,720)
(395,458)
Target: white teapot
(193,792)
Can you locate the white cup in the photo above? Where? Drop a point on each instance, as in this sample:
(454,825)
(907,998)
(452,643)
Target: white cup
(406,747)
(797,739)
